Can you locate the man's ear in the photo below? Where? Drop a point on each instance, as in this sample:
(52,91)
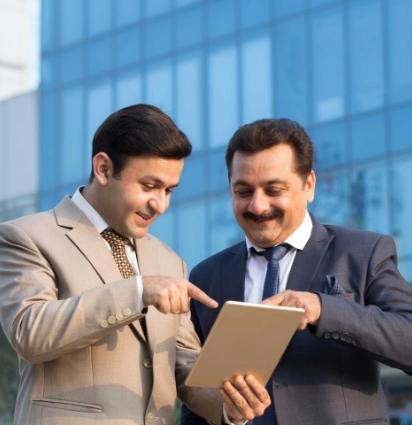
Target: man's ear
(310,186)
(102,168)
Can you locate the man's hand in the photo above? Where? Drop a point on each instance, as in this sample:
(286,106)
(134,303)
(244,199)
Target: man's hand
(308,301)
(171,295)
(246,399)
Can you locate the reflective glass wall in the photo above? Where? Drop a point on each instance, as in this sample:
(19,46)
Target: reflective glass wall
(341,68)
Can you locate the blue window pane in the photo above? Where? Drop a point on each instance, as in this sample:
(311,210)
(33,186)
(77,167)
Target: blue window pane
(127,49)
(217,172)
(321,2)
(128,89)
(164,228)
(159,86)
(328,65)
(155,7)
(48,135)
(72,153)
(47,201)
(223,95)
(221,17)
(158,37)
(48,71)
(99,16)
(180,3)
(71,65)
(365,34)
(192,182)
(192,226)
(189,110)
(288,7)
(99,56)
(401,136)
(405,267)
(400,50)
(330,145)
(368,137)
(257,78)
(48,24)
(99,107)
(223,229)
(291,71)
(252,15)
(189,27)
(369,207)
(127,12)
(331,204)
(401,176)
(71,21)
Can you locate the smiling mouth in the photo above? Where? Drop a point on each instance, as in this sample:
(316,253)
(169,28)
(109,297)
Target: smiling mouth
(145,217)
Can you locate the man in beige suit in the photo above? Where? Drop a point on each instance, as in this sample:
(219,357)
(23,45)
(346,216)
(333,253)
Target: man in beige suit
(84,292)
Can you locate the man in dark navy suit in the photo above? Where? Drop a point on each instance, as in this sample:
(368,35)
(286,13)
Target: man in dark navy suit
(358,308)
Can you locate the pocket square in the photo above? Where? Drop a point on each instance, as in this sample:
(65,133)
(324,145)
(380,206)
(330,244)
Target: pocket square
(332,286)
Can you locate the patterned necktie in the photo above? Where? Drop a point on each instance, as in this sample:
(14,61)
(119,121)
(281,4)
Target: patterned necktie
(273,256)
(117,243)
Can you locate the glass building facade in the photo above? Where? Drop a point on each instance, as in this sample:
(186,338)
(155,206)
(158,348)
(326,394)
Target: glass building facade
(341,68)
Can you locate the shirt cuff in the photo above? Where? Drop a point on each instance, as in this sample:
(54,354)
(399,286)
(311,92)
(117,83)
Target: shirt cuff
(139,282)
(226,419)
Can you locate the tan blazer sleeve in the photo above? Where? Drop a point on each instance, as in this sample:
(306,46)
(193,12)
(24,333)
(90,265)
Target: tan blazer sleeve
(40,326)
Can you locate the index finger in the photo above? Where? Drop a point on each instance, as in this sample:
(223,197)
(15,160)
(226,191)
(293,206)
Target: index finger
(275,299)
(199,295)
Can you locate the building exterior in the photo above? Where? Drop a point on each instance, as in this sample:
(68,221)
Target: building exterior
(19,47)
(341,68)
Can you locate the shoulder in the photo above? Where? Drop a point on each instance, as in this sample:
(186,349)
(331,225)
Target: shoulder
(364,240)
(30,224)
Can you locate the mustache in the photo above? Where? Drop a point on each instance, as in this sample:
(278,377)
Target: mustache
(147,212)
(270,215)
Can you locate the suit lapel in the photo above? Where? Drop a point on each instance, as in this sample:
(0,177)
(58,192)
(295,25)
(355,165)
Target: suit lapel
(234,272)
(87,239)
(149,265)
(307,261)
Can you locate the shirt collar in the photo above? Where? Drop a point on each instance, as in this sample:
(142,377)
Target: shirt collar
(96,219)
(298,239)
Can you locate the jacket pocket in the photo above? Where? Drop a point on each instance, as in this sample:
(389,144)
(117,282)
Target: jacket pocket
(68,405)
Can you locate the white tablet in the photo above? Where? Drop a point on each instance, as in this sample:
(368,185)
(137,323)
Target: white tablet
(245,339)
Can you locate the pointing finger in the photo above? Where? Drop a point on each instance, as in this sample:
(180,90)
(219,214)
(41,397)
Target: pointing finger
(199,295)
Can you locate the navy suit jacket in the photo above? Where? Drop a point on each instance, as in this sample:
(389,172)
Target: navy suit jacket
(329,374)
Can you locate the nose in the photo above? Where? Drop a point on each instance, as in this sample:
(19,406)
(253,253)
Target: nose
(159,202)
(259,203)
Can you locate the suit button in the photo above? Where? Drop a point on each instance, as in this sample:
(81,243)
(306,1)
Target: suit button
(350,339)
(111,320)
(327,334)
(104,324)
(344,336)
(147,363)
(119,316)
(127,312)
(150,417)
(335,335)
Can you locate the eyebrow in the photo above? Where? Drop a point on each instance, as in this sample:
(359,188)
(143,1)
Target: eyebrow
(158,181)
(265,183)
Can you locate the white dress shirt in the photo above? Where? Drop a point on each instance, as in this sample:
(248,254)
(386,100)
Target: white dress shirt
(100,224)
(256,265)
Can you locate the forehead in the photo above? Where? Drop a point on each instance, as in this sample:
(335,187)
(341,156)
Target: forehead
(275,162)
(155,166)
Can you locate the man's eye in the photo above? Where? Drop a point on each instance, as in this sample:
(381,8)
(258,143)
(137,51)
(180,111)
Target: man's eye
(274,192)
(148,186)
(169,191)
(243,193)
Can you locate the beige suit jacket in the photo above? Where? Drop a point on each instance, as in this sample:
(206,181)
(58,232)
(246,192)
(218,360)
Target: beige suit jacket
(59,285)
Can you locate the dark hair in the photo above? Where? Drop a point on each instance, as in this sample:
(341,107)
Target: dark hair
(263,134)
(137,130)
